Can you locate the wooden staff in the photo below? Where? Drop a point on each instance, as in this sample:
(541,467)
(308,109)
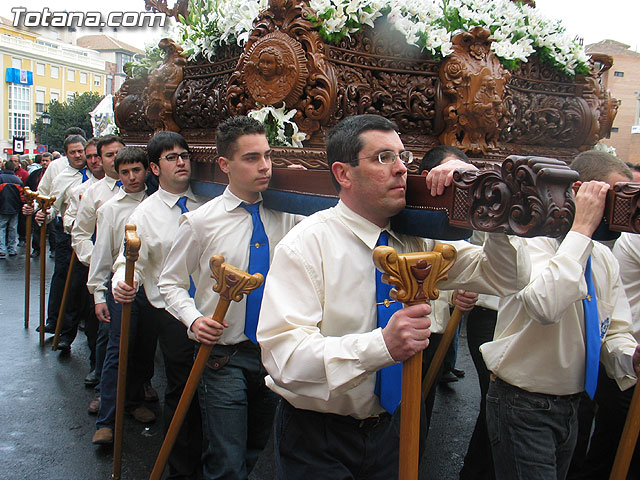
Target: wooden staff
(415,276)
(441,351)
(44,203)
(628,439)
(131,250)
(231,283)
(29,197)
(65,298)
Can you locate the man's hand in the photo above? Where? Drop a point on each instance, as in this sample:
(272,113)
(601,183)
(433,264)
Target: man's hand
(441,176)
(207,330)
(464,300)
(102,312)
(123,293)
(590,201)
(407,332)
(40,217)
(28,209)
(636,361)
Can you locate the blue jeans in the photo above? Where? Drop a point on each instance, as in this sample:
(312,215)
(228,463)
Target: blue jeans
(532,435)
(237,410)
(8,233)
(142,345)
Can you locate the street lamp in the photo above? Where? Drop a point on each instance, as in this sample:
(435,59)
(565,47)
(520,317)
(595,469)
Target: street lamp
(46,121)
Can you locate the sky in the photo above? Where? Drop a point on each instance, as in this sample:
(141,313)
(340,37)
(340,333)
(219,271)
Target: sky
(584,18)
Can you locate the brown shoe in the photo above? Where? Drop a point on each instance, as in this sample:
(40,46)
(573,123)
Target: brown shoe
(103,436)
(143,415)
(150,394)
(94,405)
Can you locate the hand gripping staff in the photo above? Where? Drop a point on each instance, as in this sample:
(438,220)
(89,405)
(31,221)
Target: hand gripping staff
(231,283)
(414,276)
(131,250)
(29,197)
(44,203)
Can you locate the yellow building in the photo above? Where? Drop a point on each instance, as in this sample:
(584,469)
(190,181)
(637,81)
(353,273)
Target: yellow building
(37,70)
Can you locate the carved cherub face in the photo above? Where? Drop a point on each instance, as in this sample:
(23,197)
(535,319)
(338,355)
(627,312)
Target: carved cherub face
(269,63)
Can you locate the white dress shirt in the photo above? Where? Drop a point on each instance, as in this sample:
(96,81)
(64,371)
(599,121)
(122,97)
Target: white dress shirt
(62,187)
(221,226)
(74,203)
(46,182)
(539,342)
(84,226)
(627,251)
(157,220)
(112,217)
(318,323)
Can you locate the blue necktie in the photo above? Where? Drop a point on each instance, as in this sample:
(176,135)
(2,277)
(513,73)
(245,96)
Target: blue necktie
(389,379)
(591,333)
(85,177)
(119,184)
(182,203)
(258,263)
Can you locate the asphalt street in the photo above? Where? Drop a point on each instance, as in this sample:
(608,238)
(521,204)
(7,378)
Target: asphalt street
(45,431)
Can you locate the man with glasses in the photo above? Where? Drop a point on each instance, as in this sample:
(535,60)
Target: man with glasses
(318,327)
(156,219)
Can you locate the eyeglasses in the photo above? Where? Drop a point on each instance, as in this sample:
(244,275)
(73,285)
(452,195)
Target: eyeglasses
(173,157)
(387,157)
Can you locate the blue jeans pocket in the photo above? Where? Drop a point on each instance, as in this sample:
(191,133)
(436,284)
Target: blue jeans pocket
(526,402)
(493,419)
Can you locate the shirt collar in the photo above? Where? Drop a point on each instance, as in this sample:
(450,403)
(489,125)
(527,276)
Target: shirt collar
(231,201)
(170,199)
(362,228)
(111,182)
(139,196)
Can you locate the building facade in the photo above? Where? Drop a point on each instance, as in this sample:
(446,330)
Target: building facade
(623,80)
(37,70)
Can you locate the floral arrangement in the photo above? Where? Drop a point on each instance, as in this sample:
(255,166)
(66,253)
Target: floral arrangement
(281,130)
(603,147)
(518,29)
(141,66)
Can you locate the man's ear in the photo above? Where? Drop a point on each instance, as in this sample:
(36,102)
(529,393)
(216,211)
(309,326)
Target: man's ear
(223,163)
(155,168)
(342,173)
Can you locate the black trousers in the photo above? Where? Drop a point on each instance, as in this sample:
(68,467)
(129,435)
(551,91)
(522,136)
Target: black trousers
(60,269)
(613,405)
(478,462)
(177,351)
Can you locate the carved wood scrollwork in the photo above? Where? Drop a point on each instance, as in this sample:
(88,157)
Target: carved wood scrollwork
(162,84)
(128,105)
(473,83)
(622,208)
(523,198)
(284,62)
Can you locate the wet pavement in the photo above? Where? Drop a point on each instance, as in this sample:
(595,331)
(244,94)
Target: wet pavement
(45,430)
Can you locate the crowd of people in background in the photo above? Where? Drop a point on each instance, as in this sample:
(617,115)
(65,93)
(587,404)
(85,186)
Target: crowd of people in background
(313,356)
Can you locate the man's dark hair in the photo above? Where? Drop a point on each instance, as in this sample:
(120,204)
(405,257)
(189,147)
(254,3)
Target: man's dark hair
(233,128)
(633,166)
(106,140)
(49,155)
(344,142)
(598,165)
(73,139)
(38,158)
(162,141)
(437,154)
(129,155)
(74,131)
(92,141)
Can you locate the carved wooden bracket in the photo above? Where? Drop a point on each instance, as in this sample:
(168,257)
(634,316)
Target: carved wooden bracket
(473,83)
(622,209)
(529,196)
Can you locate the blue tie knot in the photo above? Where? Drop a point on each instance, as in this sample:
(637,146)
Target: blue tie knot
(383,239)
(253,208)
(118,183)
(83,172)
(182,203)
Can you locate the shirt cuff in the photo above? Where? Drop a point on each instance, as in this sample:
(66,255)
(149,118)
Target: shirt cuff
(375,355)
(99,296)
(576,246)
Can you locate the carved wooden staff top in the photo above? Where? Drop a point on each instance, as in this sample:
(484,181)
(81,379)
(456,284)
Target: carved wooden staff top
(131,243)
(45,203)
(29,196)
